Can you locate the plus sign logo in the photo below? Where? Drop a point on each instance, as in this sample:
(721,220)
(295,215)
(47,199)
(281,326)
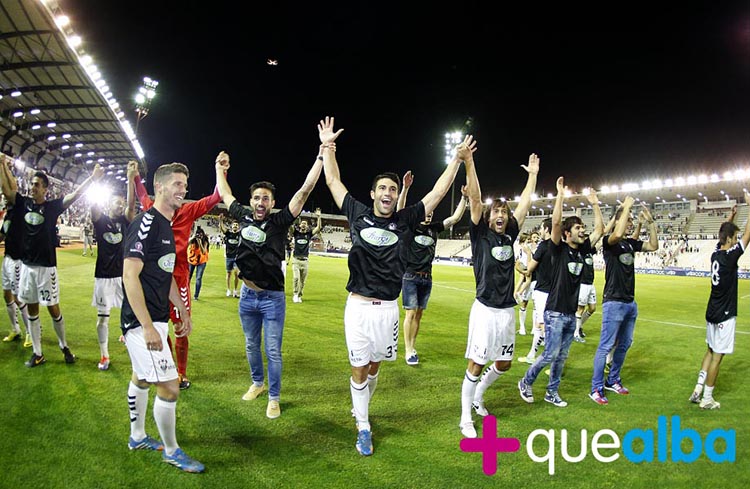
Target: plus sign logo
(489,444)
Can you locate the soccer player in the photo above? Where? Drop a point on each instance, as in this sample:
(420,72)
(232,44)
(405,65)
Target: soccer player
(38,281)
(88,236)
(418,253)
(302,238)
(371,315)
(262,307)
(619,309)
(11,273)
(492,332)
(149,251)
(182,223)
(109,230)
(526,285)
(568,246)
(721,311)
(231,242)
(540,266)
(587,292)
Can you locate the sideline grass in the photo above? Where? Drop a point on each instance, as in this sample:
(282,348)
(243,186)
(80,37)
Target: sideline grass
(67,425)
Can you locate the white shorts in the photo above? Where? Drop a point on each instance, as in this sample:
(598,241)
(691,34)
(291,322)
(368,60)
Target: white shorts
(39,285)
(540,304)
(492,334)
(526,296)
(371,329)
(720,336)
(107,293)
(587,294)
(11,274)
(149,365)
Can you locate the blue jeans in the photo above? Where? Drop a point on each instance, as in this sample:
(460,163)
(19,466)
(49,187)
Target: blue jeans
(263,310)
(618,324)
(198,277)
(558,335)
(415,290)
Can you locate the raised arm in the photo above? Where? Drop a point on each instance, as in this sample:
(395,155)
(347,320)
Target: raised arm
(222,226)
(598,231)
(406,183)
(330,165)
(460,208)
(473,191)
(746,234)
(556,231)
(222,165)
(95,176)
(444,182)
(132,176)
(318,226)
(299,198)
(525,201)
(653,240)
(621,225)
(7,180)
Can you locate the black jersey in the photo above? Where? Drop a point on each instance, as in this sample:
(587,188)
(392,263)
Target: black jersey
(494,263)
(109,236)
(149,238)
(419,247)
(619,275)
(38,222)
(231,243)
(375,267)
(544,266)
(302,243)
(722,303)
(13,236)
(566,270)
(262,246)
(587,277)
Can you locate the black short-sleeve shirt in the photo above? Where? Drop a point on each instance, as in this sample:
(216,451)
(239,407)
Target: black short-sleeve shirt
(109,237)
(231,243)
(619,274)
(494,263)
(566,270)
(722,303)
(587,277)
(543,269)
(302,243)
(38,222)
(375,267)
(419,247)
(13,235)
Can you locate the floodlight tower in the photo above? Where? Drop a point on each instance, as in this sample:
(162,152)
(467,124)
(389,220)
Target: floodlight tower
(143,98)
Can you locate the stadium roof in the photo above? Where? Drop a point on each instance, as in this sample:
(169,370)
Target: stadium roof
(56,111)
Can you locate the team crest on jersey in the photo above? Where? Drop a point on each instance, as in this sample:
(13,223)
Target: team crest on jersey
(251,233)
(589,260)
(575,268)
(392,226)
(233,241)
(33,218)
(302,241)
(166,262)
(378,237)
(163,365)
(424,240)
(502,253)
(626,259)
(112,238)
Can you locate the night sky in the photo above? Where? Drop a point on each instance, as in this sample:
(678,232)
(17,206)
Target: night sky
(604,93)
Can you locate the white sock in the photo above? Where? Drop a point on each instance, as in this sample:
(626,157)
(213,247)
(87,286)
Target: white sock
(536,342)
(579,323)
(360,403)
(372,383)
(166,419)
(35,328)
(708,392)
(59,325)
(11,308)
(102,331)
(468,388)
(489,376)
(24,316)
(138,405)
(585,316)
(701,381)
(522,319)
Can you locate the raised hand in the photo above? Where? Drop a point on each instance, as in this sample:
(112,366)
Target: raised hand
(325,131)
(466,148)
(222,161)
(646,213)
(592,197)
(560,182)
(628,202)
(132,169)
(533,166)
(98,172)
(465,191)
(408,179)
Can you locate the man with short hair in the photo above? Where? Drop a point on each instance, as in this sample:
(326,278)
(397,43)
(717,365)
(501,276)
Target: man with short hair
(540,266)
(231,243)
(302,238)
(262,307)
(418,252)
(492,321)
(721,311)
(371,316)
(12,236)
(38,281)
(149,249)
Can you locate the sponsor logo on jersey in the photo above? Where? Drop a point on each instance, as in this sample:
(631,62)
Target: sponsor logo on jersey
(33,218)
(626,259)
(589,260)
(378,237)
(301,241)
(112,238)
(166,262)
(424,240)
(233,241)
(502,253)
(575,267)
(251,233)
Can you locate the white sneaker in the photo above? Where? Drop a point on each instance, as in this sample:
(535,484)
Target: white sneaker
(479,408)
(229,293)
(236,294)
(468,430)
(522,331)
(709,404)
(530,360)
(299,299)
(295,298)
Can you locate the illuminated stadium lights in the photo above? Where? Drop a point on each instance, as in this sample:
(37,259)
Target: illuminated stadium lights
(86,60)
(98,194)
(34,111)
(17,113)
(585,192)
(728,176)
(550,196)
(62,21)
(692,180)
(714,178)
(605,189)
(679,181)
(488,201)
(143,98)
(90,153)
(66,136)
(534,197)
(79,145)
(567,193)
(64,147)
(96,76)
(35,127)
(51,138)
(78,155)
(614,188)
(15,93)
(517,198)
(20,164)
(75,41)
(629,187)
(88,162)
(51,124)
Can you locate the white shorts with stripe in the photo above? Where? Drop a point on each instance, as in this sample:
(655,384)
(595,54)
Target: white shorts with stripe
(149,365)
(587,294)
(371,329)
(107,293)
(11,274)
(540,304)
(720,336)
(39,285)
(492,334)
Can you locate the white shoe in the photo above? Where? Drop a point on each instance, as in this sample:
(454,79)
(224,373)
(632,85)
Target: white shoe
(479,408)
(299,299)
(522,332)
(529,360)
(236,294)
(229,292)
(709,404)
(468,430)
(295,299)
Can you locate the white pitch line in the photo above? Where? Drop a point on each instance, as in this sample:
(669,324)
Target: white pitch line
(472,291)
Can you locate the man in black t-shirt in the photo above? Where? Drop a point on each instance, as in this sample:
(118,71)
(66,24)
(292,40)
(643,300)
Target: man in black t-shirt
(301,241)
(619,309)
(262,307)
(721,311)
(540,266)
(37,217)
(375,271)
(568,246)
(149,251)
(231,243)
(109,230)
(492,321)
(11,274)
(418,252)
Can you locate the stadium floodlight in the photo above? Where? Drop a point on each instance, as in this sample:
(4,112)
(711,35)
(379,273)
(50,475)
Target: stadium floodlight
(728,176)
(614,188)
(51,124)
(35,127)
(534,197)
(86,60)
(20,164)
(586,191)
(604,190)
(550,196)
(64,147)
(452,139)
(62,21)
(98,194)
(488,201)
(34,111)
(692,180)
(679,181)
(143,98)
(75,41)
(15,93)
(17,113)
(714,178)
